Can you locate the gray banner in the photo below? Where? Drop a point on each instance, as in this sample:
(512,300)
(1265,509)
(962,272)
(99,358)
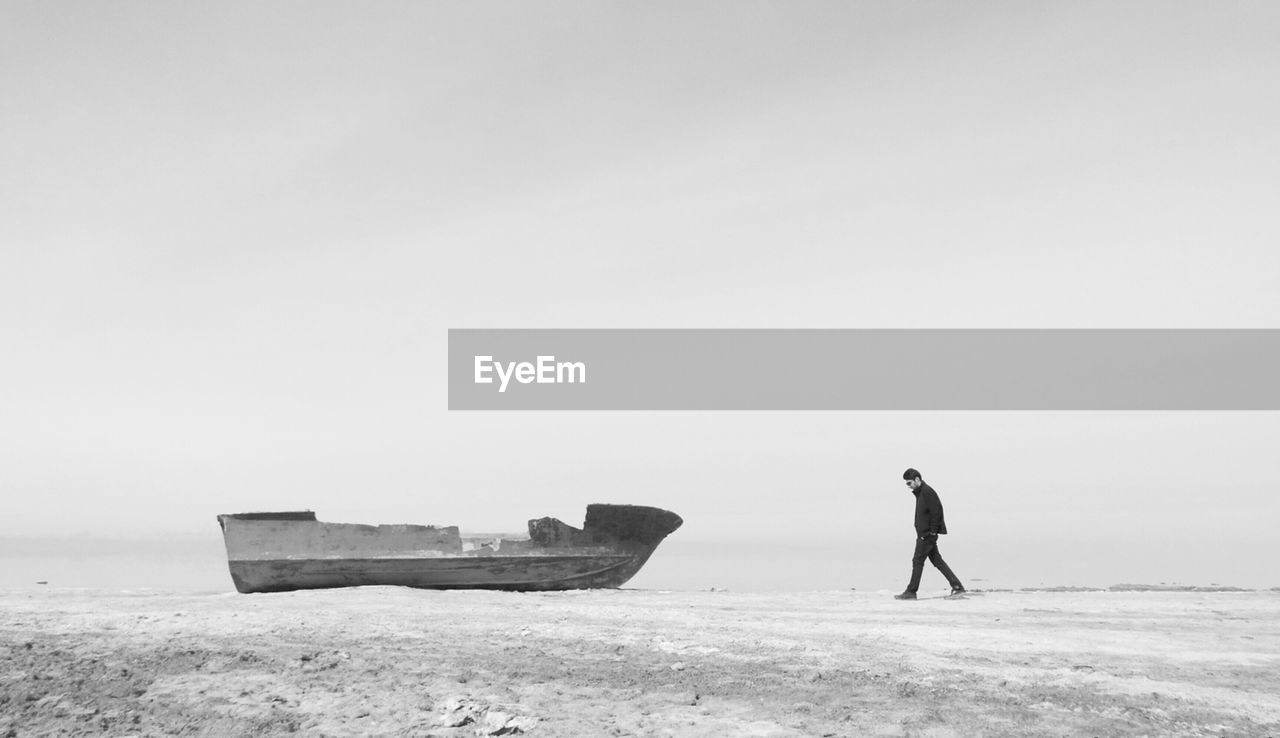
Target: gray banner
(863,369)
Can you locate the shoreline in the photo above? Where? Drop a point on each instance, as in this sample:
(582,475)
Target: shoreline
(1060,588)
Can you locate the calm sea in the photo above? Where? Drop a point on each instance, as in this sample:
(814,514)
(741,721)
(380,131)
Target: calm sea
(199,564)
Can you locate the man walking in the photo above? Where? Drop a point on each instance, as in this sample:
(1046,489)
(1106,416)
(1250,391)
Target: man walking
(929,525)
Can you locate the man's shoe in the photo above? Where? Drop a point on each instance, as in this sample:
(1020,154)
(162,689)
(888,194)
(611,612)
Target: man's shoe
(905,596)
(957,591)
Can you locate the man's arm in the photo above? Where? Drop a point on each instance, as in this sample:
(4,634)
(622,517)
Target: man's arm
(934,506)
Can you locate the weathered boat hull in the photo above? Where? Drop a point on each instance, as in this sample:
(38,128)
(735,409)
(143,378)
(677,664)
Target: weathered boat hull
(278,552)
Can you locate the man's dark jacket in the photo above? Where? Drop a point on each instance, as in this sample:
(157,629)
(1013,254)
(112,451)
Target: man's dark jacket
(928,511)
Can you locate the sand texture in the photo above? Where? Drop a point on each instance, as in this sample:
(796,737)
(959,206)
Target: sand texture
(392,661)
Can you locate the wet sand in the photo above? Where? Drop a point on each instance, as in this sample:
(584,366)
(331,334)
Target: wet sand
(391,661)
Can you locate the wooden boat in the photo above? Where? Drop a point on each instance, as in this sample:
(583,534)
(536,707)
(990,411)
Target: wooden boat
(283,551)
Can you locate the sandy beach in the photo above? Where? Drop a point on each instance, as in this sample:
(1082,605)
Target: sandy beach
(392,661)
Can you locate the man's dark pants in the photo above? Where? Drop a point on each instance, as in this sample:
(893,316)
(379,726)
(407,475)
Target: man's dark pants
(927,548)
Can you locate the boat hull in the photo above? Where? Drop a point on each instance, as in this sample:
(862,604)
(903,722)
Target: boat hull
(279,552)
(524,573)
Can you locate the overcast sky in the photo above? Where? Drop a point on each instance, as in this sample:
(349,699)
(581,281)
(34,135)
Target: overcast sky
(233,236)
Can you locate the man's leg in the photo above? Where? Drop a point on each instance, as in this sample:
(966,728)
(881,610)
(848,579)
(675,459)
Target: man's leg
(923,547)
(935,558)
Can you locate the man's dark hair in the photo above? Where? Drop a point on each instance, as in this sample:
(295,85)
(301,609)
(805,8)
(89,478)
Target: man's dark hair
(911,474)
